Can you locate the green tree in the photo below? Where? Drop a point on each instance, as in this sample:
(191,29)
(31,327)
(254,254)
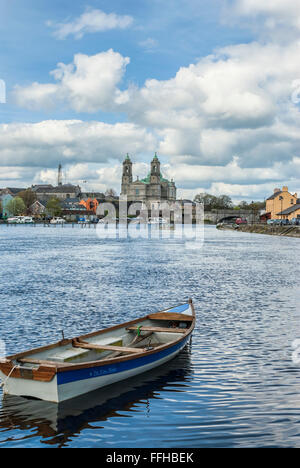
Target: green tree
(53,207)
(224,202)
(16,206)
(211,202)
(243,205)
(28,197)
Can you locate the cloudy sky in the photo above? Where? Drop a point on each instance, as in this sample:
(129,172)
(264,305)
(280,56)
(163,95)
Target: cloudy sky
(212,85)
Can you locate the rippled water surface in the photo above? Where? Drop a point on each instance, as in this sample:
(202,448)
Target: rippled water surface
(235,386)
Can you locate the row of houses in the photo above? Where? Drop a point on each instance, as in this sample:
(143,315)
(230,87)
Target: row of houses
(6,195)
(74,203)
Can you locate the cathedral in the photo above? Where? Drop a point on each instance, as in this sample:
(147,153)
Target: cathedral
(153,188)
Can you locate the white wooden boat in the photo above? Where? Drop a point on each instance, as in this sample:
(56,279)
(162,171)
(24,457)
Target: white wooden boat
(73,367)
(45,419)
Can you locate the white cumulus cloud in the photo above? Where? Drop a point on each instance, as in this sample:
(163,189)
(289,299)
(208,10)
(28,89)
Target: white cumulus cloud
(47,143)
(233,115)
(88,84)
(91,21)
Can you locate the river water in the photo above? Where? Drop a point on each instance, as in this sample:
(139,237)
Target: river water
(236,385)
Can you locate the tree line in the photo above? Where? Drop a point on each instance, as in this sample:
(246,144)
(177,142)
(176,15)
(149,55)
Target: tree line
(224,202)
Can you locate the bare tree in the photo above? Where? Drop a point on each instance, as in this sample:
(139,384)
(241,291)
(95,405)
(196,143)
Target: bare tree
(110,193)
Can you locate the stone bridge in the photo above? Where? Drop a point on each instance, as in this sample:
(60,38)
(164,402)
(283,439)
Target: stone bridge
(216,216)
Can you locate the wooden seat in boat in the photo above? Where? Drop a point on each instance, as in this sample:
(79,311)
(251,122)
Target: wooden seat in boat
(121,349)
(157,329)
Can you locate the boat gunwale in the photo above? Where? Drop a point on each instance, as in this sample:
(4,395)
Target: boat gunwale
(65,367)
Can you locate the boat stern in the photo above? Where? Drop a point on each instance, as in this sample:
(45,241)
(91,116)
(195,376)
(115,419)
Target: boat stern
(18,380)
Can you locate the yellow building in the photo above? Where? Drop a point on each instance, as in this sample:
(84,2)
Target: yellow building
(291,213)
(280,201)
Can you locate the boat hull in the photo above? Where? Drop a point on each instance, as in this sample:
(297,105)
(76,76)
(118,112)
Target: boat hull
(70,384)
(50,373)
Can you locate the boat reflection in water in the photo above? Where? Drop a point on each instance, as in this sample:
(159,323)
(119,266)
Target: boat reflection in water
(56,424)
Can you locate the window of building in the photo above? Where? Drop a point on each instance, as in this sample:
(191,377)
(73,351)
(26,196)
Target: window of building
(292,201)
(137,192)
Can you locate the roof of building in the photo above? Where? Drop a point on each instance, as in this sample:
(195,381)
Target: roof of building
(147,180)
(14,190)
(275,195)
(72,200)
(43,202)
(43,189)
(290,210)
(72,203)
(39,202)
(92,195)
(67,188)
(35,188)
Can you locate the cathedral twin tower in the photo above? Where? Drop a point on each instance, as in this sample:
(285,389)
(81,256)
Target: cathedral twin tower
(153,188)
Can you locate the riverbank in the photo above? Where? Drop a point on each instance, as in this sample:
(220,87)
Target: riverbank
(286,231)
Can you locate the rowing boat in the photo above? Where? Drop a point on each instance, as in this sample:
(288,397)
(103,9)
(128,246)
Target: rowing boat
(73,367)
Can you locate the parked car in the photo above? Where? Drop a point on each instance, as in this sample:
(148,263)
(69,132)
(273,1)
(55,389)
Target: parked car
(57,221)
(295,221)
(28,220)
(241,221)
(281,222)
(271,221)
(21,220)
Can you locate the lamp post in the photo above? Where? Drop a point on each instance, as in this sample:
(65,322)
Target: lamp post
(281,200)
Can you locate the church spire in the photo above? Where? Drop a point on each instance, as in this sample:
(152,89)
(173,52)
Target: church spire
(155,170)
(127,175)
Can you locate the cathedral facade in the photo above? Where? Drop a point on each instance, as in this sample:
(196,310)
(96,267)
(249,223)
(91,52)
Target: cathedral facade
(154,188)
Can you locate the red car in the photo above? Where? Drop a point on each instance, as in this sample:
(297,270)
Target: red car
(241,221)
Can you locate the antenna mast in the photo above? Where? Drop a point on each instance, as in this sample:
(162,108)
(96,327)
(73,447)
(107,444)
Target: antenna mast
(59,176)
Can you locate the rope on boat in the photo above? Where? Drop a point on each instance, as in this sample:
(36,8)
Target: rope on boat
(2,384)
